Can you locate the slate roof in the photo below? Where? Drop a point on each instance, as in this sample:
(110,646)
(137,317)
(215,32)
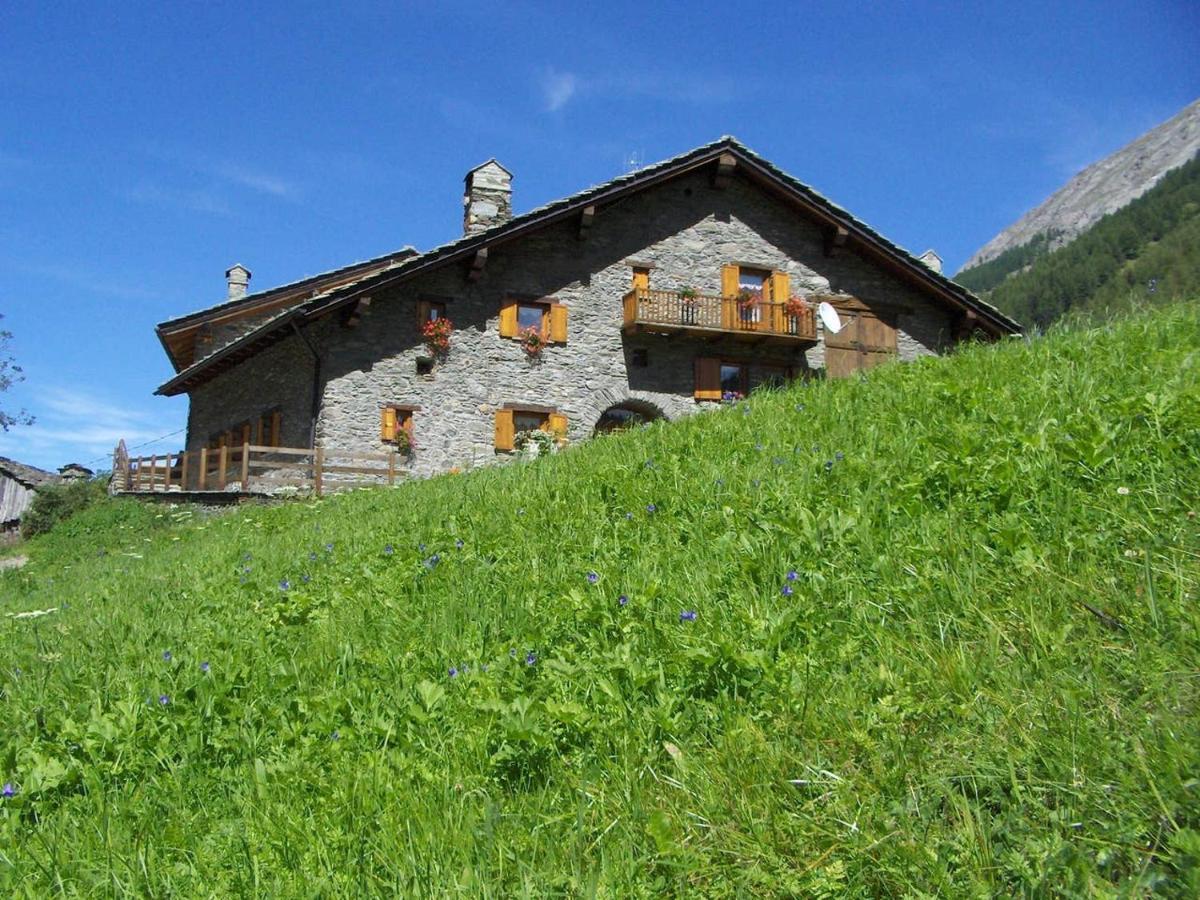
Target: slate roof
(30,476)
(462,247)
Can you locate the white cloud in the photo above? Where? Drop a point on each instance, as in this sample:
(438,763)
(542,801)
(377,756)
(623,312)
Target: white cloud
(558,88)
(200,201)
(76,425)
(262,182)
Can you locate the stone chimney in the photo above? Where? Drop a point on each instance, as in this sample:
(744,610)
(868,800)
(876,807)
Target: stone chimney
(932,260)
(488,198)
(237,277)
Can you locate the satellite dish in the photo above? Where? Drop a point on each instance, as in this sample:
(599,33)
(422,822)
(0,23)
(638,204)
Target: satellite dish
(829,318)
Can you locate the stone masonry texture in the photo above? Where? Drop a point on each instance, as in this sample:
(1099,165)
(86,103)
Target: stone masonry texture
(685,228)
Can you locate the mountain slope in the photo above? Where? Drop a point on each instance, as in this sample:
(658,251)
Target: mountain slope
(928,633)
(1102,187)
(1148,251)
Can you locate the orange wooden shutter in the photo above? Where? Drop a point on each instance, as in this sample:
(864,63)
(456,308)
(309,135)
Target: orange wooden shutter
(729,281)
(708,378)
(558,424)
(504,429)
(558,323)
(508,318)
(276,427)
(641,279)
(729,289)
(422,313)
(779,292)
(387,424)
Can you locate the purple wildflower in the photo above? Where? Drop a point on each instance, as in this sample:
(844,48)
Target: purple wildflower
(651,508)
(306,578)
(389,549)
(839,456)
(688,615)
(512,651)
(204,667)
(285,585)
(329,548)
(786,590)
(166,656)
(629,515)
(313,555)
(163,699)
(592,577)
(792,575)
(459,543)
(623,600)
(530,658)
(828,465)
(432,561)
(453,672)
(10,790)
(420,548)
(336,736)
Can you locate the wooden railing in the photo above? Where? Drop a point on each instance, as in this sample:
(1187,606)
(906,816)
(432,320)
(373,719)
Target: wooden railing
(670,310)
(254,469)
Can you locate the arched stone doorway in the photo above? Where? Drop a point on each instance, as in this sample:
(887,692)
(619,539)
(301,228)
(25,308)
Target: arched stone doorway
(626,414)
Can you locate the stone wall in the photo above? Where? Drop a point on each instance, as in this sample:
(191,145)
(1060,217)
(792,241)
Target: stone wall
(686,229)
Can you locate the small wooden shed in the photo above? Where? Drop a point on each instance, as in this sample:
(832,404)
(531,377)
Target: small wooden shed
(18,482)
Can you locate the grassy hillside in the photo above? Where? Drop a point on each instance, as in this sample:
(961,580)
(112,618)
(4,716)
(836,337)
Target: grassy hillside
(928,634)
(1149,251)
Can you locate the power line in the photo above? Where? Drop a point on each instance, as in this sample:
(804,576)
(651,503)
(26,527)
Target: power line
(139,446)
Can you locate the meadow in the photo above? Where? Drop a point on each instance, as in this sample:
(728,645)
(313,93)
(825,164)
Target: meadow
(932,632)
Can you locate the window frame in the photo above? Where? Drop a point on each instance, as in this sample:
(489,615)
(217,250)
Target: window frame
(405,419)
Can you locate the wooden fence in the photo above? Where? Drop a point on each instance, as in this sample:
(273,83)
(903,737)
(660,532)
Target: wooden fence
(254,469)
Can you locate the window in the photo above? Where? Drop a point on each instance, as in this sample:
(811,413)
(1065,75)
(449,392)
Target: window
(717,378)
(396,425)
(771,288)
(532,315)
(425,366)
(513,421)
(430,310)
(530,421)
(755,282)
(548,316)
(733,379)
(641,278)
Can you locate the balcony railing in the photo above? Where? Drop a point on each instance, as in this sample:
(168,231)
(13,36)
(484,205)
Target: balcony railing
(668,311)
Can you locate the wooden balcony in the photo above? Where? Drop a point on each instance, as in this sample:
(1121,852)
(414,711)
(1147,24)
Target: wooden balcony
(666,312)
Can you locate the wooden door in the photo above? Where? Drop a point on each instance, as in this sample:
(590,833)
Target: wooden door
(867,339)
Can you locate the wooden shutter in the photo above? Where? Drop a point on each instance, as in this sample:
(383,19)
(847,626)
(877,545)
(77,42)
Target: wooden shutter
(504,429)
(729,281)
(387,424)
(641,279)
(508,318)
(558,324)
(558,425)
(778,293)
(422,313)
(261,431)
(276,428)
(708,378)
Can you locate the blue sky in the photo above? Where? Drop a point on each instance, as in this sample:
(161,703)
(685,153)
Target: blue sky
(145,148)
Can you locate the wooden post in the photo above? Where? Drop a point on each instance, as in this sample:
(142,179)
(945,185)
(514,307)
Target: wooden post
(183,472)
(245,466)
(167,482)
(222,465)
(203,467)
(137,480)
(392,468)
(318,458)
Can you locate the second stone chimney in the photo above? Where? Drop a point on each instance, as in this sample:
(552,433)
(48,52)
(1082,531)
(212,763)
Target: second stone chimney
(932,260)
(237,277)
(488,197)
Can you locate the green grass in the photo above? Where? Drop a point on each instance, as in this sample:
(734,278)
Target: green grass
(934,711)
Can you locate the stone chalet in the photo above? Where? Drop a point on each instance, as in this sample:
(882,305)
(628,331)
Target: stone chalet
(649,296)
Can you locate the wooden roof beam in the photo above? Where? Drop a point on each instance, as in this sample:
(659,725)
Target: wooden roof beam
(586,217)
(356,312)
(726,163)
(835,237)
(478,262)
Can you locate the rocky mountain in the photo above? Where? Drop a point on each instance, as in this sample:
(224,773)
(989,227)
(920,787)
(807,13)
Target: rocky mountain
(1102,187)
